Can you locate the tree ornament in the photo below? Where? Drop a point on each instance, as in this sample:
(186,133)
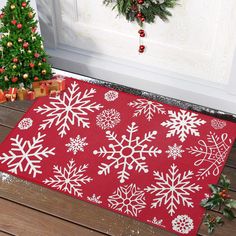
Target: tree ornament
(36,55)
(36,78)
(39,64)
(12,6)
(24,4)
(14,79)
(2,70)
(44,72)
(14,67)
(14,22)
(33,30)
(15,60)
(19,26)
(143,11)
(31,15)
(9,44)
(25,76)
(25,45)
(6,79)
(142,47)
(29,51)
(1,15)
(20,40)
(44,59)
(31,65)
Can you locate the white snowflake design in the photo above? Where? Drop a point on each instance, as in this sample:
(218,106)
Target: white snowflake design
(108,119)
(76,144)
(212,153)
(127,154)
(157,222)
(182,224)
(175,151)
(25,124)
(95,199)
(128,199)
(70,108)
(218,124)
(147,108)
(111,96)
(69,179)
(173,189)
(26,156)
(182,123)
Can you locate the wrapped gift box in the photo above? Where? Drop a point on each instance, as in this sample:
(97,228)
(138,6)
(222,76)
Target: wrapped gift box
(2,97)
(22,94)
(30,95)
(42,90)
(11,94)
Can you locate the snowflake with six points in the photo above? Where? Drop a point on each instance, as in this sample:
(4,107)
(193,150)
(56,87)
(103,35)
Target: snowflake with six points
(173,189)
(183,123)
(26,156)
(127,154)
(71,108)
(182,224)
(147,108)
(76,144)
(175,151)
(108,119)
(111,95)
(69,179)
(128,199)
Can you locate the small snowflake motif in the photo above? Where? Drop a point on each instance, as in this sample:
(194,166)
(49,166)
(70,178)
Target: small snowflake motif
(69,179)
(147,108)
(183,123)
(175,151)
(157,222)
(76,144)
(25,124)
(26,155)
(218,124)
(182,224)
(173,189)
(127,155)
(128,199)
(111,96)
(108,119)
(95,199)
(71,108)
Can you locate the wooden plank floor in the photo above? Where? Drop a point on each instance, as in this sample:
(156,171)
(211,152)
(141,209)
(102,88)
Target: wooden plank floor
(29,209)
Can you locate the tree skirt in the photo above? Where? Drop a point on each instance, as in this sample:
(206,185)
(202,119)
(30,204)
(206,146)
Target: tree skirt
(137,157)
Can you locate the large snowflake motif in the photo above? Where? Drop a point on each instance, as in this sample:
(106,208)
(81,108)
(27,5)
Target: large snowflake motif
(127,154)
(147,108)
(108,119)
(182,224)
(182,123)
(76,144)
(26,156)
(212,153)
(128,199)
(173,189)
(69,179)
(175,151)
(71,108)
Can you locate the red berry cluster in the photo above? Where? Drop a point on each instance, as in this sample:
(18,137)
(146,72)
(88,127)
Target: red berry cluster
(141,46)
(224,194)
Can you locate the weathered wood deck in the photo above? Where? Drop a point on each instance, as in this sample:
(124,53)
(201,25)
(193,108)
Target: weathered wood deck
(29,209)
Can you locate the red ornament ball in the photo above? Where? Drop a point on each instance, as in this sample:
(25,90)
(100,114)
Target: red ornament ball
(1,15)
(19,26)
(24,4)
(141,51)
(44,59)
(31,65)
(36,78)
(15,60)
(140,1)
(33,30)
(2,70)
(139,15)
(14,22)
(142,35)
(36,55)
(142,47)
(142,19)
(25,45)
(14,79)
(141,31)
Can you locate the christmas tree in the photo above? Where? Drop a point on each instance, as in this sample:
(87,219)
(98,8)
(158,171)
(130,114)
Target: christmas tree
(22,55)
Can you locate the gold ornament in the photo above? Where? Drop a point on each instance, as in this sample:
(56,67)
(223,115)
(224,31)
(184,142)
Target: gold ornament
(14,67)
(39,64)
(13,6)
(9,44)
(44,72)
(20,40)
(42,47)
(29,51)
(25,76)
(31,15)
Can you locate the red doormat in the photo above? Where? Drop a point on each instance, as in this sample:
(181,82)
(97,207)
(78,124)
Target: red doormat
(133,156)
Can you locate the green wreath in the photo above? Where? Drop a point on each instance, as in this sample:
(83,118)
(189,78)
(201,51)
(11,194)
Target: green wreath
(143,10)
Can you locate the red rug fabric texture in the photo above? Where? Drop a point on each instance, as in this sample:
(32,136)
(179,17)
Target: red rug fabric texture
(133,156)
